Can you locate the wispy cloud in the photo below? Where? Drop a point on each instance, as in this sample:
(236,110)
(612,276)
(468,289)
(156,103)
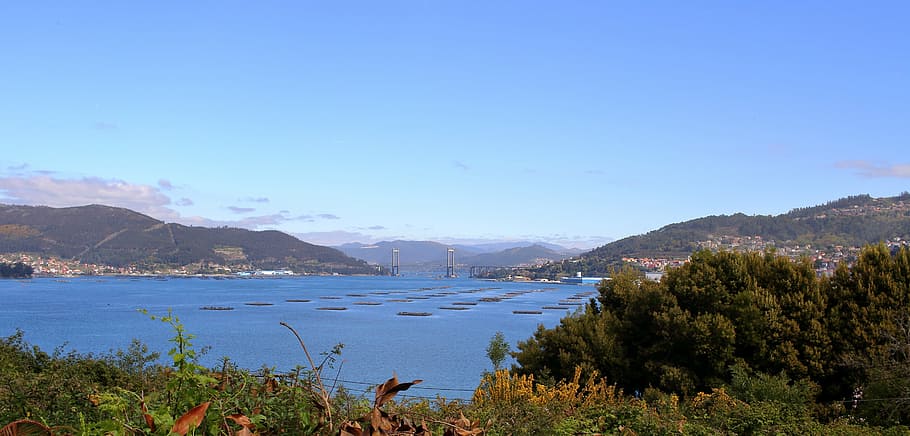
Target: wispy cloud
(461,165)
(255,199)
(236,209)
(312,218)
(104,126)
(336,237)
(376,228)
(40,189)
(869,169)
(251,222)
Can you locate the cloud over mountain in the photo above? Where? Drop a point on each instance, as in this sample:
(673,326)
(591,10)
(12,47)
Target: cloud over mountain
(59,192)
(874,170)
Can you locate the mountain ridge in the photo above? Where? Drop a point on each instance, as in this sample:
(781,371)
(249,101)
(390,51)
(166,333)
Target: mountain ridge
(851,221)
(417,253)
(117,236)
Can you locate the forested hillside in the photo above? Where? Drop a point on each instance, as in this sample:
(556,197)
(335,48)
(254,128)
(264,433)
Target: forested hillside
(849,222)
(118,237)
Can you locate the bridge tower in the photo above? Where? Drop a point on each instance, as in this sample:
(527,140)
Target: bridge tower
(450,263)
(395,263)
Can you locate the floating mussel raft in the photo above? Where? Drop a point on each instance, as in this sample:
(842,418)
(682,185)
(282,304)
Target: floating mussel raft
(216,308)
(331,308)
(527,312)
(414,313)
(297,300)
(259,303)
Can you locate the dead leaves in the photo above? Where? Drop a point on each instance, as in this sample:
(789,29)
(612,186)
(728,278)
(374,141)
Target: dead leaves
(389,389)
(244,422)
(25,427)
(193,418)
(464,427)
(380,423)
(190,419)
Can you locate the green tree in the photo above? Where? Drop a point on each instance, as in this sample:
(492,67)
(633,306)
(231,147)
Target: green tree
(497,350)
(16,270)
(684,333)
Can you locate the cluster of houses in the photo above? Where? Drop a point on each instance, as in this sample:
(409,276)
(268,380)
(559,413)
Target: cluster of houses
(825,259)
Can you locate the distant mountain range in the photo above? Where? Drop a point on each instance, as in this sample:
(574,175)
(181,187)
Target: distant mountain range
(120,237)
(849,222)
(428,253)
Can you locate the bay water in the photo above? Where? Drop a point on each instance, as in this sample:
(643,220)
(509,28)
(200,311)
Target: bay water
(444,347)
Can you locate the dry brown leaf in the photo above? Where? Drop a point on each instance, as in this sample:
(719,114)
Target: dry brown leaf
(463,427)
(190,419)
(423,430)
(25,427)
(271,385)
(241,419)
(149,421)
(350,428)
(390,388)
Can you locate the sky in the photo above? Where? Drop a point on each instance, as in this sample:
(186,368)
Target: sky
(570,122)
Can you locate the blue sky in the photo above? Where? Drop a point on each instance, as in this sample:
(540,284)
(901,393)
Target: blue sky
(570,122)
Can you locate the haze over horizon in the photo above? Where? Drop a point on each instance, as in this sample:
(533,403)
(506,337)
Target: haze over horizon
(573,124)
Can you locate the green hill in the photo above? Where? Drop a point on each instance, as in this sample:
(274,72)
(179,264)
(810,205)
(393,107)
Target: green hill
(120,237)
(849,222)
(533,254)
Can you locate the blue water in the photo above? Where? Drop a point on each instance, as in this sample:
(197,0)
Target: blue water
(446,349)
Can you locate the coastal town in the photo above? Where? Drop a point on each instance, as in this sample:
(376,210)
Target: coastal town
(53,266)
(825,259)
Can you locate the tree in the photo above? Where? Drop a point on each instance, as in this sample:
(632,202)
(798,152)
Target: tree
(16,270)
(497,350)
(685,332)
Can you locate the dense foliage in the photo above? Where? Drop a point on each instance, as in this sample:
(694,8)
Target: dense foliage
(848,335)
(126,393)
(16,270)
(730,343)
